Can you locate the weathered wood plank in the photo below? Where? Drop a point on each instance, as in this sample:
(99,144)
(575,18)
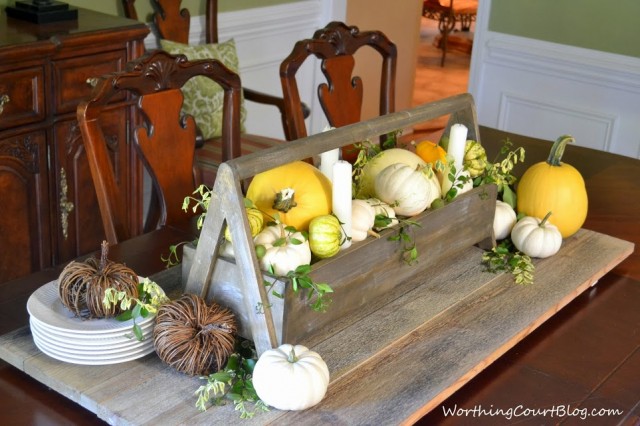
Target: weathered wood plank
(392,365)
(446,351)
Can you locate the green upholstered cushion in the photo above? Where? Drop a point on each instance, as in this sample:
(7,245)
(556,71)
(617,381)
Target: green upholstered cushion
(203,98)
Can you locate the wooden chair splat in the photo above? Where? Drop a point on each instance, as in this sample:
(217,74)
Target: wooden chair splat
(165,140)
(341,97)
(173,23)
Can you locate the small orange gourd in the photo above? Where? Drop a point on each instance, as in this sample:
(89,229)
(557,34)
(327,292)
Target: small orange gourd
(557,187)
(430,152)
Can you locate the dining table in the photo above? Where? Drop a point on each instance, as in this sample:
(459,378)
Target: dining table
(580,364)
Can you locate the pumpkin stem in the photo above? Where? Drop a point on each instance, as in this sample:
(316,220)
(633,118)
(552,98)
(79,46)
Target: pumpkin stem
(555,155)
(292,356)
(544,220)
(373,233)
(284,200)
(104,250)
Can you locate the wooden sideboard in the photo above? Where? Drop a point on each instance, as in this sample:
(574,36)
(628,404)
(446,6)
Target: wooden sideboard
(49,212)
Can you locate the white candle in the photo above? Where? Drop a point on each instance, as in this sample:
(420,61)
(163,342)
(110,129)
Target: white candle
(342,198)
(327,160)
(457,143)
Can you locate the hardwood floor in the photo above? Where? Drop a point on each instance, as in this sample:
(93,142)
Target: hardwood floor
(434,82)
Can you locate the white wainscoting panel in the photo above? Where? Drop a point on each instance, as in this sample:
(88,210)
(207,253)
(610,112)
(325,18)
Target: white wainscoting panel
(523,115)
(264,37)
(544,90)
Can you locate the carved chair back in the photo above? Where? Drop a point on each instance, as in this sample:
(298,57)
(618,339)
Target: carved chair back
(164,138)
(173,23)
(341,96)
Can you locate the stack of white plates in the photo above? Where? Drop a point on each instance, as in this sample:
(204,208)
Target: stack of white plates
(61,335)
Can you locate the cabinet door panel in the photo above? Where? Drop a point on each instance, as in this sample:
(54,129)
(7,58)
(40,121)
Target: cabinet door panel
(21,97)
(25,237)
(78,224)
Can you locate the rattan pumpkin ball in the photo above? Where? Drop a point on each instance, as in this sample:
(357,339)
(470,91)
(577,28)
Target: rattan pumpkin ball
(81,285)
(192,337)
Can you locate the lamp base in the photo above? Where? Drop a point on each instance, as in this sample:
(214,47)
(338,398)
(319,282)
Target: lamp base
(39,13)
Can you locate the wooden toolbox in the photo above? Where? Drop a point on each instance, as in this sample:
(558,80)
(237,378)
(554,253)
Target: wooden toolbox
(360,275)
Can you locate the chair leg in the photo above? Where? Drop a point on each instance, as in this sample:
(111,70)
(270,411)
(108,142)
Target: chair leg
(445,25)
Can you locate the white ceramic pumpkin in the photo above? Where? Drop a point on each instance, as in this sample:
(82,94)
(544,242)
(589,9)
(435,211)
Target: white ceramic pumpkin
(535,237)
(407,190)
(290,377)
(366,185)
(283,250)
(363,217)
(503,220)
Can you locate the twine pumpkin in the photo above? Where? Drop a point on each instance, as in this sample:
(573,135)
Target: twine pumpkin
(192,337)
(82,285)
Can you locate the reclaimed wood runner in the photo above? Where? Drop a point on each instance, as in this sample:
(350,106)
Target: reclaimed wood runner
(389,366)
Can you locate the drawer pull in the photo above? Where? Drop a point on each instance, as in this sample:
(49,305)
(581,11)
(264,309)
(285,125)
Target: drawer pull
(4,99)
(66,206)
(92,81)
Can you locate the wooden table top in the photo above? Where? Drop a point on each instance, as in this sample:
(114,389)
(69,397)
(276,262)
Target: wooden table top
(583,377)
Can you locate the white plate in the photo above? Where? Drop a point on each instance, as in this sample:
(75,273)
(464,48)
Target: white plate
(92,360)
(84,338)
(71,346)
(45,305)
(92,354)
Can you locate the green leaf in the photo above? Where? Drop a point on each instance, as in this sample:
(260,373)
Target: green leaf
(135,312)
(125,316)
(508,196)
(260,251)
(137,331)
(221,376)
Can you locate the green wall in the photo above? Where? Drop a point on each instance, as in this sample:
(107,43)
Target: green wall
(143,7)
(610,26)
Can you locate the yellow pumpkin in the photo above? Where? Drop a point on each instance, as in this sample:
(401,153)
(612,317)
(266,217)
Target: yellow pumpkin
(557,187)
(431,152)
(296,192)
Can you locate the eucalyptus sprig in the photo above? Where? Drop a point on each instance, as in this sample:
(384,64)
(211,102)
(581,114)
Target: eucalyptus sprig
(201,198)
(366,151)
(409,248)
(458,180)
(499,172)
(150,298)
(317,296)
(233,383)
(505,257)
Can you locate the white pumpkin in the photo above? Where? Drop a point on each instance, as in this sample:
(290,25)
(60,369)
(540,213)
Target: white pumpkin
(503,220)
(290,377)
(384,210)
(535,237)
(366,185)
(284,250)
(407,190)
(363,217)
(460,175)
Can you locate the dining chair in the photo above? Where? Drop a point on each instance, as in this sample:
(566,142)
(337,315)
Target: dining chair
(173,24)
(448,13)
(341,95)
(164,137)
